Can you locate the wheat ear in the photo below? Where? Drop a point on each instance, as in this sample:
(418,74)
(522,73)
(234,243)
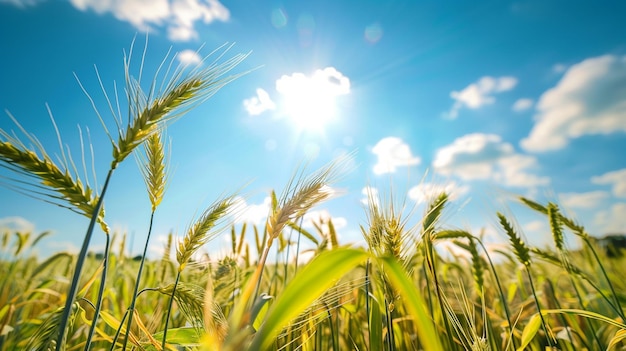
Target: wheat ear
(302,194)
(201,231)
(55,183)
(182,93)
(154,169)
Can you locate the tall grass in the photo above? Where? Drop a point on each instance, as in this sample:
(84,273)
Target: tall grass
(399,292)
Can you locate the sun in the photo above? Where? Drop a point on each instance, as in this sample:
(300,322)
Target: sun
(310,102)
(310,109)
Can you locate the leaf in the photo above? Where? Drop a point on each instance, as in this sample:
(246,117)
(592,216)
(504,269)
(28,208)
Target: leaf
(619,336)
(308,285)
(375,326)
(530,331)
(414,303)
(185,336)
(259,310)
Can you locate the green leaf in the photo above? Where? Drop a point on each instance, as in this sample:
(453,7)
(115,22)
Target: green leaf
(308,285)
(186,336)
(530,331)
(375,326)
(259,310)
(414,303)
(619,336)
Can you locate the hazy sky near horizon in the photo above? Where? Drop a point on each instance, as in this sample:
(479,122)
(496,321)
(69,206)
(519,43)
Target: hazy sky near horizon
(485,99)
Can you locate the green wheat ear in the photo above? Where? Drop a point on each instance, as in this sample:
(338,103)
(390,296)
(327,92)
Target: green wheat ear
(44,179)
(202,230)
(183,91)
(519,247)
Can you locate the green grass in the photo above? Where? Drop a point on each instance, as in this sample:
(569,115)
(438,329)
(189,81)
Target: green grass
(397,293)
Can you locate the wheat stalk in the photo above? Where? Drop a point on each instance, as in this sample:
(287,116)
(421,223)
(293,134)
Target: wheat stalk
(56,183)
(197,235)
(154,169)
(200,232)
(523,255)
(519,247)
(555,226)
(183,92)
(154,174)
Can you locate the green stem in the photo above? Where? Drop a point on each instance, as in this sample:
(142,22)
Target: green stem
(96,313)
(505,305)
(119,330)
(131,309)
(543,321)
(391,343)
(618,306)
(582,306)
(430,260)
(169,311)
(71,294)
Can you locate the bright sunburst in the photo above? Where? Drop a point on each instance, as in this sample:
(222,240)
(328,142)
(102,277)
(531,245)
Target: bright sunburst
(310,102)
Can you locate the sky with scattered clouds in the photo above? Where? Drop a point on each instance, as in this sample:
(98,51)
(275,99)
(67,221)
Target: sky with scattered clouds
(485,100)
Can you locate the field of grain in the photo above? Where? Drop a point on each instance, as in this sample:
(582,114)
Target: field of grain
(400,292)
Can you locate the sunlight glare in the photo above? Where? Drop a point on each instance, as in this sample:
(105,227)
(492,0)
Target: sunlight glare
(310,102)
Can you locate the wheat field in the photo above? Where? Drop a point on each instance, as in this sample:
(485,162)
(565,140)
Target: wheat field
(398,292)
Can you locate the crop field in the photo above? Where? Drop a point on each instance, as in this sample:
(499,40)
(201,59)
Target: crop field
(399,292)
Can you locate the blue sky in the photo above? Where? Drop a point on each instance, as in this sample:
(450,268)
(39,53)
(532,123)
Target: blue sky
(485,99)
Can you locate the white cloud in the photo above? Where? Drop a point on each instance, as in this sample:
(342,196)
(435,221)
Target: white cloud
(310,100)
(583,200)
(370,196)
(536,226)
(522,105)
(615,178)
(480,93)
(259,103)
(486,156)
(590,99)
(189,57)
(392,153)
(251,213)
(16,224)
(328,81)
(177,16)
(425,192)
(612,220)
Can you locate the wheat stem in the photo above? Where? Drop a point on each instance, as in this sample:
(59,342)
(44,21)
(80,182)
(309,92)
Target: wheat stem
(71,295)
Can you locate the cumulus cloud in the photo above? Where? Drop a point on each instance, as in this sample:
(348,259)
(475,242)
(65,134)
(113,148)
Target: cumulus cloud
(612,220)
(370,196)
(307,100)
(16,224)
(425,192)
(480,93)
(486,156)
(259,103)
(590,99)
(583,200)
(617,179)
(189,57)
(251,213)
(179,17)
(312,98)
(327,81)
(522,105)
(392,153)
